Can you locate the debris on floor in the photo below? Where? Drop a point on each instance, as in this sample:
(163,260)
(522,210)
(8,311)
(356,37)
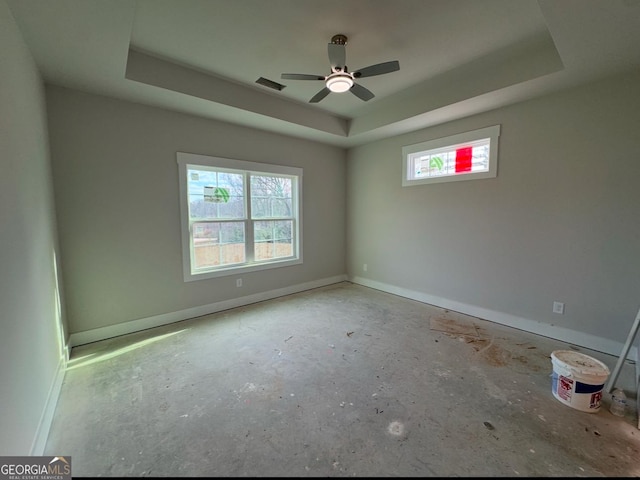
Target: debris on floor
(453,327)
(490,348)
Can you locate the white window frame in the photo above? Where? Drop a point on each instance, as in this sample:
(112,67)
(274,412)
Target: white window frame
(411,152)
(189,160)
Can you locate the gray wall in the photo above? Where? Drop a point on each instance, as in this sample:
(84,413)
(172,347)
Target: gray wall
(29,313)
(560,222)
(116,185)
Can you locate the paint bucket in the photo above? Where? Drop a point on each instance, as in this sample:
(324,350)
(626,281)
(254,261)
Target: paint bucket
(577,380)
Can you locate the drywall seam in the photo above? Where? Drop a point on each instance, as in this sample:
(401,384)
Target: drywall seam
(575,337)
(97,334)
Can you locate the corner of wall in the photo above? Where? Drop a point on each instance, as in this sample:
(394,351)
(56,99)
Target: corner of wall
(46,419)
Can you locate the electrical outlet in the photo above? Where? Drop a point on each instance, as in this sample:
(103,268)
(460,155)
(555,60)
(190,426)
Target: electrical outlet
(238,282)
(558,307)
(364,267)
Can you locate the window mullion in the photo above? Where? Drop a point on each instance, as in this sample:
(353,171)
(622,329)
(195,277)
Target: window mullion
(249,236)
(192,248)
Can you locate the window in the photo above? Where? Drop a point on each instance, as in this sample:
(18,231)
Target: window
(238,216)
(466,156)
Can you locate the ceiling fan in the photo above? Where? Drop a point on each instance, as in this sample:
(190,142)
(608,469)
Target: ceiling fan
(340,79)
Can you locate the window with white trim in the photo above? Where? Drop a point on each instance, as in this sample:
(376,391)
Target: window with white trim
(465,156)
(238,216)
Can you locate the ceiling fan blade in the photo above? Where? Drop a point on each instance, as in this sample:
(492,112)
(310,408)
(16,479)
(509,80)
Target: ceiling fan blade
(361,92)
(379,69)
(301,76)
(337,55)
(320,95)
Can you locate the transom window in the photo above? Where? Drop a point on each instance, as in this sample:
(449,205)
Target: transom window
(238,216)
(466,156)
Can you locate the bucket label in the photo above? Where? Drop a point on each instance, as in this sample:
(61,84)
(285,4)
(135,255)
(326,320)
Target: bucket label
(595,400)
(588,387)
(565,387)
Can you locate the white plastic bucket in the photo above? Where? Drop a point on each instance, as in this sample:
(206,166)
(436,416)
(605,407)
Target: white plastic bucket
(578,379)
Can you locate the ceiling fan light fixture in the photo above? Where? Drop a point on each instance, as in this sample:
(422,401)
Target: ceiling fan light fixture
(339,83)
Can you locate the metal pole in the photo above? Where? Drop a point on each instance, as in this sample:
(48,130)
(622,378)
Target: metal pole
(623,355)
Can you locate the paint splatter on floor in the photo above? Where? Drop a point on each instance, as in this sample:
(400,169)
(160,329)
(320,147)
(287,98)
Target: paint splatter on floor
(396,428)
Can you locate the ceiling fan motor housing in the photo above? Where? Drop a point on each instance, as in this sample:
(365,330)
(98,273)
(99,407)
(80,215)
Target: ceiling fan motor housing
(339,39)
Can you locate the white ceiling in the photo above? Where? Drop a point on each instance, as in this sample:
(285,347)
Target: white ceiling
(203,57)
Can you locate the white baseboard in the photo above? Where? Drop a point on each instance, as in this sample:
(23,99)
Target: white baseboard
(44,425)
(532,326)
(132,326)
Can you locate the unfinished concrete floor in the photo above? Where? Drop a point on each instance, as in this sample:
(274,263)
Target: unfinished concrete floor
(342,380)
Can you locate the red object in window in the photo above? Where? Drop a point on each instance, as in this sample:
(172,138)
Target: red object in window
(463,159)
